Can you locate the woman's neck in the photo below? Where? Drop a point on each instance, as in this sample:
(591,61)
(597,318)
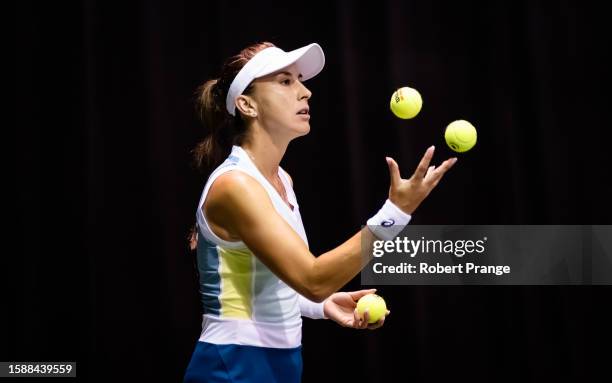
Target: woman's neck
(265,153)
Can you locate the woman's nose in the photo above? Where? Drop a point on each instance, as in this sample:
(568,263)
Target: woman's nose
(304,92)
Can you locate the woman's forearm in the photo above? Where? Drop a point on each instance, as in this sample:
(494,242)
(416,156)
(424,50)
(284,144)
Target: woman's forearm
(337,267)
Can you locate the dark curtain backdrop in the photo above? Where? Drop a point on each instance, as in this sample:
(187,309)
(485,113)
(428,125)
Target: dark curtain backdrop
(105,193)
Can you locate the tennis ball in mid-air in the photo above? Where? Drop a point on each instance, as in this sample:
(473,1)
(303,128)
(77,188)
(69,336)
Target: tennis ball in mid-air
(460,136)
(375,305)
(406,102)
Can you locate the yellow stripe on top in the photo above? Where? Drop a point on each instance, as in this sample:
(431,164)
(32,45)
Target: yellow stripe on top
(236,272)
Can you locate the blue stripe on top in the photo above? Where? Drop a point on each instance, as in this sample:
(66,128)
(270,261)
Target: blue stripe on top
(210,281)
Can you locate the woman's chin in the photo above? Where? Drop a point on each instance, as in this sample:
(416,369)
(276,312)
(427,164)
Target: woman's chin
(303,130)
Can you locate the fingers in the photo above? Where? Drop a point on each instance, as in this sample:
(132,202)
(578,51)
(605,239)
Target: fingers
(356,319)
(435,175)
(358,294)
(429,170)
(421,170)
(376,325)
(394,172)
(359,322)
(380,323)
(366,320)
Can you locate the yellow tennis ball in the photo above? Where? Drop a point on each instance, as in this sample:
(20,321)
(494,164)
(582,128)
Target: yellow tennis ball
(375,305)
(406,102)
(460,136)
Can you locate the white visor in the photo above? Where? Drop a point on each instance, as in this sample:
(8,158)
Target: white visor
(309,60)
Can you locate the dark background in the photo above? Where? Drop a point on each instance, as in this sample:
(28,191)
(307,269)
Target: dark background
(104,190)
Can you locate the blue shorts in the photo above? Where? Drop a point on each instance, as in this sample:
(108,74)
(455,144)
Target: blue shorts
(221,363)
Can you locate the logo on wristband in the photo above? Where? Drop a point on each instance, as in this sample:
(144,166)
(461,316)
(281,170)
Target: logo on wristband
(387,223)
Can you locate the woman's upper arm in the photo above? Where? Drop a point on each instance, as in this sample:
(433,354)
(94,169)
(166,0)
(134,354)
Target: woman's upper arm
(239,204)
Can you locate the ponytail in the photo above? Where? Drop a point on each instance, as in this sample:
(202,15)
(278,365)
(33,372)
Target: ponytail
(209,152)
(223,129)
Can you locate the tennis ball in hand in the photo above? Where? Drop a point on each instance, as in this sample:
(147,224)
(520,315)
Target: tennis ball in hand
(460,136)
(406,102)
(375,305)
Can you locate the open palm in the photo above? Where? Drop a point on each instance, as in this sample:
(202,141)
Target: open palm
(341,307)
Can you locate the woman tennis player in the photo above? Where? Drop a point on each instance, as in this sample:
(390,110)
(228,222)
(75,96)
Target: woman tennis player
(257,275)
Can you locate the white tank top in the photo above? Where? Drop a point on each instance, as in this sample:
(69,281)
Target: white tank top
(243,301)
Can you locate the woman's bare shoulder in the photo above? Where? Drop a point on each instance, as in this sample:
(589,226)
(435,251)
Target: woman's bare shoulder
(233,186)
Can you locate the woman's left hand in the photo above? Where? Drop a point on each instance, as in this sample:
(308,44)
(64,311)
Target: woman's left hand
(341,307)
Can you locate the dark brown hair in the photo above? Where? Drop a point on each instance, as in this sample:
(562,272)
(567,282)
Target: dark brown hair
(223,129)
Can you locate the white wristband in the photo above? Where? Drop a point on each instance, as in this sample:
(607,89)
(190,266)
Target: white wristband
(389,221)
(310,309)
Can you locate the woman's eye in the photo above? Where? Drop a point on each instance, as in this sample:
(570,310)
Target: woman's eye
(286,82)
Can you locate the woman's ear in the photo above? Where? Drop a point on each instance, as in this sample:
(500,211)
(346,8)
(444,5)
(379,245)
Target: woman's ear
(246,105)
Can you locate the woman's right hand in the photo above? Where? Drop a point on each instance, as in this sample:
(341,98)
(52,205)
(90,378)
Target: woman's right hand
(407,194)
